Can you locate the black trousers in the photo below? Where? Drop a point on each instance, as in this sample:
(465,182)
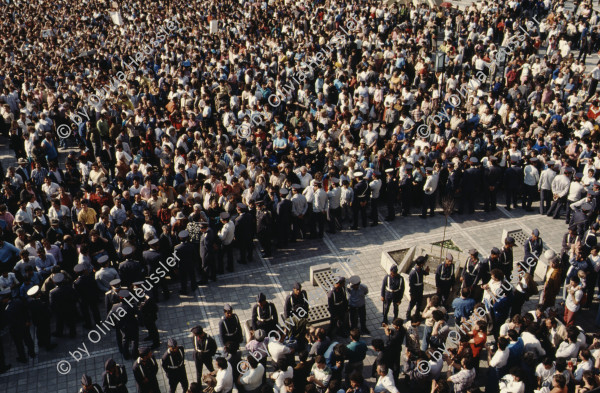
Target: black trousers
(42,333)
(415,302)
(246,249)
(375,210)
(356,210)
(131,341)
(319,224)
(65,319)
(87,307)
(335,219)
(530,193)
(519,299)
(557,206)
(225,250)
(202,360)
(428,203)
(338,324)
(512,194)
(387,303)
(391,209)
(22,336)
(177,377)
(443,291)
(545,201)
(185,275)
(357,313)
(150,324)
(297,228)
(266,242)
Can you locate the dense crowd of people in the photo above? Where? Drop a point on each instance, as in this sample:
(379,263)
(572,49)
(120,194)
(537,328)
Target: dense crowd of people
(278,121)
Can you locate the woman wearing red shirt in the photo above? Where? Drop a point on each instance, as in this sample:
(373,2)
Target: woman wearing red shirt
(478,340)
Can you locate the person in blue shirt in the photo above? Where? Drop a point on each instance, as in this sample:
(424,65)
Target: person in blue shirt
(8,253)
(516,349)
(334,357)
(48,144)
(356,353)
(30,279)
(463,306)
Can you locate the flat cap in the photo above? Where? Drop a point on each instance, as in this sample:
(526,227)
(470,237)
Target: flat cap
(595,226)
(549,254)
(536,232)
(509,240)
(389,170)
(586,207)
(33,290)
(449,257)
(58,278)
(338,279)
(297,286)
(394,268)
(241,206)
(472,251)
(138,283)
(429,169)
(153,242)
(354,280)
(86,380)
(227,307)
(123,293)
(103,259)
(283,191)
(358,174)
(224,216)
(260,202)
(115,283)
(259,335)
(579,176)
(110,363)
(80,267)
(261,297)
(171,342)
(183,234)
(197,330)
(127,251)
(408,166)
(203,224)
(144,351)
(473,160)
(533,159)
(495,251)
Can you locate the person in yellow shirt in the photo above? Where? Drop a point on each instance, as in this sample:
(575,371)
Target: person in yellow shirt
(87,216)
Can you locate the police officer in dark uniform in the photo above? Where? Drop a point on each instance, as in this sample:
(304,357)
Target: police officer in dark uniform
(130,270)
(589,240)
(337,303)
(470,274)
(152,258)
(513,180)
(86,288)
(17,318)
(391,193)
(297,307)
(114,378)
(533,251)
(205,348)
(487,265)
(245,227)
(230,327)
(284,218)
(505,261)
(145,369)
(40,317)
(470,185)
(208,253)
(87,385)
(264,228)
(148,314)
(453,183)
(492,180)
(173,362)
(580,218)
(362,192)
(392,292)
(124,317)
(188,256)
(444,278)
(63,300)
(415,284)
(407,190)
(112,297)
(264,315)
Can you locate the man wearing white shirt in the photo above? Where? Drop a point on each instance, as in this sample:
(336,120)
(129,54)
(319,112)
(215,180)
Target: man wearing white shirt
(568,349)
(560,189)
(500,357)
(532,343)
(586,363)
(375,186)
(319,210)
(252,379)
(513,382)
(385,380)
(531,179)
(224,376)
(429,189)
(278,351)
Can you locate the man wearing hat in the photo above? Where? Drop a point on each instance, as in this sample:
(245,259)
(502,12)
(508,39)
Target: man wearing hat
(148,313)
(226,235)
(580,217)
(357,293)
(122,315)
(264,228)
(145,369)
(415,285)
(505,261)
(391,190)
(205,348)
(392,292)
(245,228)
(487,265)
(362,193)
(589,240)
(114,378)
(545,186)
(87,386)
(470,274)
(283,218)
(112,296)
(188,260)
(492,180)
(63,303)
(531,178)
(86,288)
(299,209)
(173,362)
(230,328)
(407,190)
(151,259)
(533,251)
(429,192)
(375,186)
(470,185)
(264,314)
(40,317)
(130,270)
(444,278)
(17,319)
(208,253)
(296,308)
(560,189)
(337,303)
(513,181)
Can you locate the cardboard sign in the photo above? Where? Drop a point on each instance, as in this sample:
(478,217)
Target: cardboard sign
(214,27)
(116,17)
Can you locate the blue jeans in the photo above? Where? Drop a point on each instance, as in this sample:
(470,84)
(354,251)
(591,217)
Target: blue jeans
(427,330)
